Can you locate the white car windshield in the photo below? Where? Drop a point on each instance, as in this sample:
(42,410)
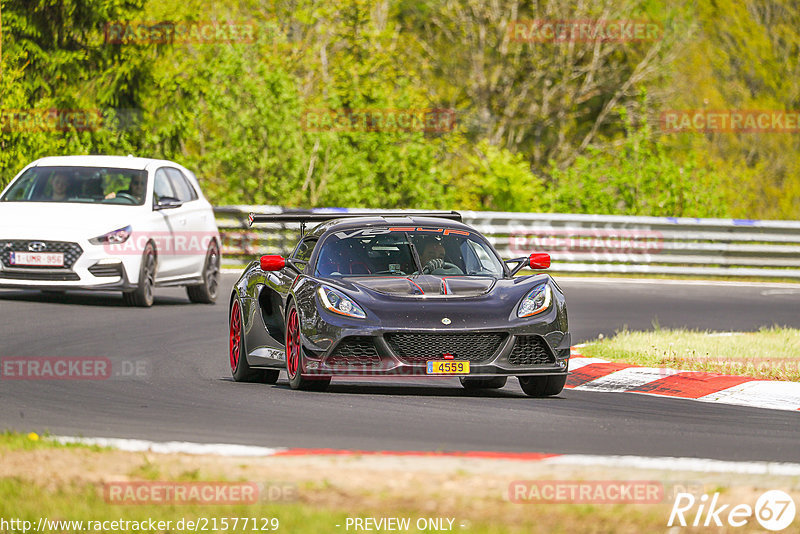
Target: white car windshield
(407,251)
(79,184)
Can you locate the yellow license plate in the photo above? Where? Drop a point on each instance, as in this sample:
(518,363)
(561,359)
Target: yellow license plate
(448,367)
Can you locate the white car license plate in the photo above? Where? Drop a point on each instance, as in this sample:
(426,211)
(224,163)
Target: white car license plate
(39,259)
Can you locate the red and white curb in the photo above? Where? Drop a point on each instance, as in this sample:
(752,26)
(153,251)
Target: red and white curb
(595,374)
(630,462)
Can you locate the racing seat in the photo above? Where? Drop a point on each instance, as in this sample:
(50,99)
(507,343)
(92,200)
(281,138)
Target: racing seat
(359,267)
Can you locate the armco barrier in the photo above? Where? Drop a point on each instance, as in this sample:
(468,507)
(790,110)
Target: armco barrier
(582,243)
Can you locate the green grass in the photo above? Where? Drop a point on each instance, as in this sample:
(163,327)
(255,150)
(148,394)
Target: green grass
(315,507)
(771,353)
(14,441)
(28,501)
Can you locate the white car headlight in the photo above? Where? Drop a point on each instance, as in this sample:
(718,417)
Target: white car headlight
(112,238)
(338,302)
(537,301)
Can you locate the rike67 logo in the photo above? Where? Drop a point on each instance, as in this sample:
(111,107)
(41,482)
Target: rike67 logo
(774,510)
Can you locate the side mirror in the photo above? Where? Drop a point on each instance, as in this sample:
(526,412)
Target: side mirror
(536,261)
(272,262)
(539,260)
(167,203)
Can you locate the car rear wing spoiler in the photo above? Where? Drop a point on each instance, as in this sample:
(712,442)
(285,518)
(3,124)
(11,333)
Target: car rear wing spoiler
(304,218)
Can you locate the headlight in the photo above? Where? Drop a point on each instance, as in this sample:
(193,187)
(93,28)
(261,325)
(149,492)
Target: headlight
(536,301)
(112,238)
(338,302)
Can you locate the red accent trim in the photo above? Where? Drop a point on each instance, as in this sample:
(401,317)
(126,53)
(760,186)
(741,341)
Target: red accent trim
(398,277)
(445,231)
(464,454)
(691,385)
(272,262)
(413,282)
(593,371)
(452,231)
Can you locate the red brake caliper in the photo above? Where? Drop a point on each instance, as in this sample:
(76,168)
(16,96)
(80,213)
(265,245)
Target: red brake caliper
(235,322)
(294,343)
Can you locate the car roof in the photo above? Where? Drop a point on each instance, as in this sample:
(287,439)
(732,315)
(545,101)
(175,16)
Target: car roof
(118,162)
(336,225)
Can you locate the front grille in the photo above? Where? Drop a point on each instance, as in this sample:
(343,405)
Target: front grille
(419,348)
(531,350)
(354,351)
(72,251)
(99,269)
(39,275)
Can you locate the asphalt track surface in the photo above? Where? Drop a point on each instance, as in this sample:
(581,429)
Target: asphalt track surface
(184,391)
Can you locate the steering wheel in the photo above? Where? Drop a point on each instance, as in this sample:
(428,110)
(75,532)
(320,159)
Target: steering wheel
(126,196)
(427,269)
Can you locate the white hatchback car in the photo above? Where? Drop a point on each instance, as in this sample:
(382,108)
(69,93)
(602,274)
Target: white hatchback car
(108,223)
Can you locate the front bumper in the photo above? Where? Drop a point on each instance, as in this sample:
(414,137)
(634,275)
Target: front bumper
(536,349)
(87,267)
(399,335)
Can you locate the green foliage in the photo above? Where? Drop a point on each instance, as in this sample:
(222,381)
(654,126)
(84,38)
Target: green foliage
(745,56)
(54,59)
(497,179)
(640,177)
(541,126)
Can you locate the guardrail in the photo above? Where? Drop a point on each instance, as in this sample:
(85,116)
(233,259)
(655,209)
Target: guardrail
(583,243)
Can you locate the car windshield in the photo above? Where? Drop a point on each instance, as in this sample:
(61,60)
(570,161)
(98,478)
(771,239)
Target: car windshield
(407,251)
(90,185)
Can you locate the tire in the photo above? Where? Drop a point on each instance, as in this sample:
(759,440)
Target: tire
(542,386)
(206,293)
(496,382)
(295,357)
(240,369)
(142,296)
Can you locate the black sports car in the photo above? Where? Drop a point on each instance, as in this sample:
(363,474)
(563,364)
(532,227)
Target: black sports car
(396,295)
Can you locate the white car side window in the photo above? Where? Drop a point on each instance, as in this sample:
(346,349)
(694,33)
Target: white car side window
(162,187)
